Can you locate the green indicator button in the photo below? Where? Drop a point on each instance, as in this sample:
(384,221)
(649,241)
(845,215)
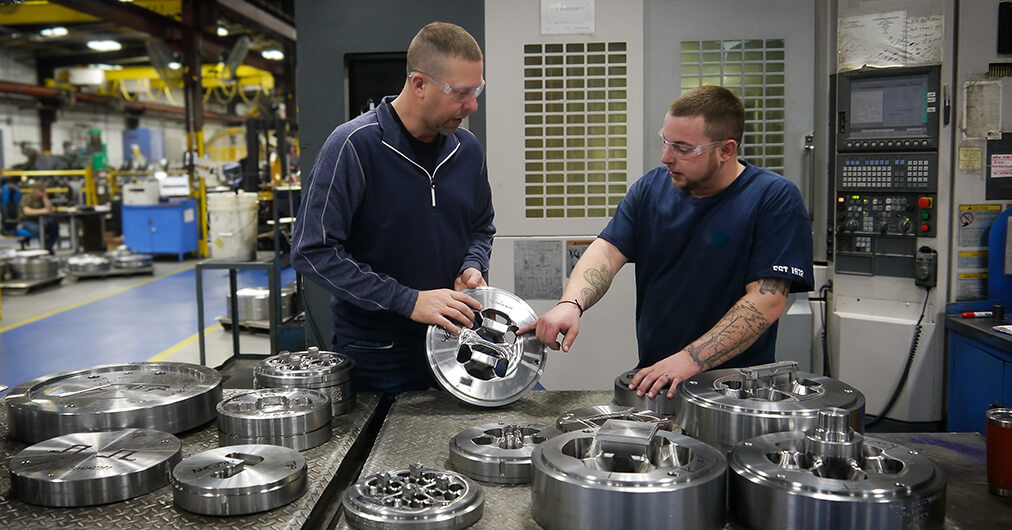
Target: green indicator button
(925,216)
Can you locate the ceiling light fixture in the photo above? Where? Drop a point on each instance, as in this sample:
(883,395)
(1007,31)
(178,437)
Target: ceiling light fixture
(222,31)
(175,65)
(273,54)
(104,45)
(55,31)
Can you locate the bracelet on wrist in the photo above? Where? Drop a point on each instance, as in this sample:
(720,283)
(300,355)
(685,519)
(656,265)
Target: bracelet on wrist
(574,302)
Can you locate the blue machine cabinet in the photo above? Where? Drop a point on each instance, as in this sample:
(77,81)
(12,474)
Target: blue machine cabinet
(980,371)
(161,228)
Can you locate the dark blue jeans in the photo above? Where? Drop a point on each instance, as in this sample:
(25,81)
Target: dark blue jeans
(387,367)
(52,230)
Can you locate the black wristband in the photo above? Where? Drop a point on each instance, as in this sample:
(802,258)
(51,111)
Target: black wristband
(574,302)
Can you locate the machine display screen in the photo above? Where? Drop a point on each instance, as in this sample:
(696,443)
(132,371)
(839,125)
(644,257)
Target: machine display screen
(884,107)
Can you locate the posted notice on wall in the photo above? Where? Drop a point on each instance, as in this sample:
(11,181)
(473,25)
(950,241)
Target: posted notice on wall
(974,223)
(1001,166)
(971,286)
(564,17)
(574,251)
(537,269)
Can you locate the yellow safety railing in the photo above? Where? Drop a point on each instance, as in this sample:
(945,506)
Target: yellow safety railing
(90,195)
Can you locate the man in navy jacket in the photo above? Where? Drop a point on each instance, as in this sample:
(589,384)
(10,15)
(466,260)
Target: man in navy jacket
(397,215)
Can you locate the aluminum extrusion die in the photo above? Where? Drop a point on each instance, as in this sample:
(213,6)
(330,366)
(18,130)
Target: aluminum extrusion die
(170,397)
(488,364)
(298,418)
(659,403)
(239,479)
(595,416)
(328,372)
(724,407)
(832,477)
(498,452)
(628,475)
(88,468)
(417,497)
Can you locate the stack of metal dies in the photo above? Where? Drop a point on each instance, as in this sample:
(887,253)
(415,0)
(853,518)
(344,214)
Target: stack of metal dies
(327,372)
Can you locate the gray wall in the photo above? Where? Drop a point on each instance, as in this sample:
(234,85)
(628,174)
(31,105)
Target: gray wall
(330,30)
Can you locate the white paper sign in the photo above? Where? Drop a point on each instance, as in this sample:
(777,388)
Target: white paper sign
(560,17)
(1001,166)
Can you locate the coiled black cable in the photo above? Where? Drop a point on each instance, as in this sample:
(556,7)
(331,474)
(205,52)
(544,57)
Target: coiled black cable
(906,368)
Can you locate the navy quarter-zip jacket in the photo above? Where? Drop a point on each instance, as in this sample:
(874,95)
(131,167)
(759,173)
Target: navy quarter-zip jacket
(374,227)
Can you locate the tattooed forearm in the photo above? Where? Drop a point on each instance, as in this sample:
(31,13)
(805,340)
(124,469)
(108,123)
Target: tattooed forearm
(739,328)
(599,280)
(773,285)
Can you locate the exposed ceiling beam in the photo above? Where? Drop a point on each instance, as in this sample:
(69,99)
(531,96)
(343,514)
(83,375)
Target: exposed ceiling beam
(56,61)
(166,28)
(259,17)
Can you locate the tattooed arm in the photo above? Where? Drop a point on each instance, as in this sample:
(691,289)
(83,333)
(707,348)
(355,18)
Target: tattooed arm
(764,301)
(590,279)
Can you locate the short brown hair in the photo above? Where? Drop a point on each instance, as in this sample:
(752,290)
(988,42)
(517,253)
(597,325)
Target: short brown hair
(723,112)
(437,42)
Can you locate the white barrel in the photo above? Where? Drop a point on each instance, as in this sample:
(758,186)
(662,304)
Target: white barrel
(232,225)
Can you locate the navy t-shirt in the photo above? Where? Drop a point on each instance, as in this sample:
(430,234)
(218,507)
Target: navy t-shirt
(694,256)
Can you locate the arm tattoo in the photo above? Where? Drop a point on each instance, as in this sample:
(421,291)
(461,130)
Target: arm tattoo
(735,332)
(599,280)
(772,285)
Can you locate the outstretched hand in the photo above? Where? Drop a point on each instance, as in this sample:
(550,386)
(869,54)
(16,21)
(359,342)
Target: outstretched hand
(664,374)
(445,308)
(564,319)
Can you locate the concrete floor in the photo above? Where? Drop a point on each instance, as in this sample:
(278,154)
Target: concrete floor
(120,319)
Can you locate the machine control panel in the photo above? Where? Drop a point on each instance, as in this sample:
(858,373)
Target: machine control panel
(886,214)
(893,172)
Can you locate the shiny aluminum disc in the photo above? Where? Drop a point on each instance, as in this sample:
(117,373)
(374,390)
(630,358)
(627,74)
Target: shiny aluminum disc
(328,372)
(594,417)
(832,477)
(724,407)
(417,497)
(498,452)
(170,397)
(488,365)
(659,403)
(628,474)
(298,418)
(239,479)
(85,469)
(87,263)
(131,261)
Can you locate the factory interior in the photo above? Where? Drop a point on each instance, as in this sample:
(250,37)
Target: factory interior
(169,360)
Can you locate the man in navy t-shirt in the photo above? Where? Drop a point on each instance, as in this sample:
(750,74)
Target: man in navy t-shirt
(718,245)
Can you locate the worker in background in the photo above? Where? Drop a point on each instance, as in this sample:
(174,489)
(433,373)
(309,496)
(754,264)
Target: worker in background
(32,211)
(396,217)
(718,244)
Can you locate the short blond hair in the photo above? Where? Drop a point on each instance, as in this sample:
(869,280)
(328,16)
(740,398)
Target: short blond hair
(437,42)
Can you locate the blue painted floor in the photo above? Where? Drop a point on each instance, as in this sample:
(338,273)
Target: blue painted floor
(133,325)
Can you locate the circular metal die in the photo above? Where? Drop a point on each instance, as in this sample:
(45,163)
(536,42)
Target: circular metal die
(85,469)
(130,260)
(328,372)
(239,479)
(171,397)
(594,417)
(628,474)
(34,267)
(724,407)
(832,477)
(498,452)
(254,303)
(417,497)
(298,418)
(87,263)
(488,364)
(659,403)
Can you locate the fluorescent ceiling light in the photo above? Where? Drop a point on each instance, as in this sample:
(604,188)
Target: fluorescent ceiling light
(104,45)
(175,65)
(222,31)
(272,54)
(55,31)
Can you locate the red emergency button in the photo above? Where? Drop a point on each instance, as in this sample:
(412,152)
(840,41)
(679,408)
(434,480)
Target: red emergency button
(924,202)
(925,228)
